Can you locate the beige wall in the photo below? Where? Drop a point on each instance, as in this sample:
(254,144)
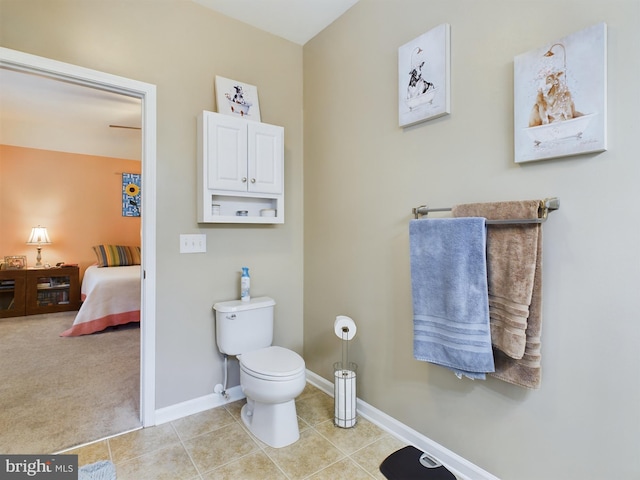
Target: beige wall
(77,197)
(363,175)
(180,47)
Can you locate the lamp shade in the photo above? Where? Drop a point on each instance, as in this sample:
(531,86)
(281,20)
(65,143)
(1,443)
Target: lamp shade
(39,236)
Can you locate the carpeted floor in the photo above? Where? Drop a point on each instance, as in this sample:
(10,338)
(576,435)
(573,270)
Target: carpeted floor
(57,392)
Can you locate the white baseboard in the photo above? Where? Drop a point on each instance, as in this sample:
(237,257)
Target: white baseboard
(197,405)
(459,466)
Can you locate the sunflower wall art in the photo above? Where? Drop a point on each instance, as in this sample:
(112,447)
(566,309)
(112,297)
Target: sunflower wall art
(131,195)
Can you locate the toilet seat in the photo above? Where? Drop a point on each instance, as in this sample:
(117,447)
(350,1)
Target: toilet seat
(272,363)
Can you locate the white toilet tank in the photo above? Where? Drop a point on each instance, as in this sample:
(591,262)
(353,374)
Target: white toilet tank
(244,326)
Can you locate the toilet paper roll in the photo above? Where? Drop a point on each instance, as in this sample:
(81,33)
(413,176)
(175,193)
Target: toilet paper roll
(344,327)
(345,398)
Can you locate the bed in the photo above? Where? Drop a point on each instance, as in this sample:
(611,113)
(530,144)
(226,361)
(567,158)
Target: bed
(111,296)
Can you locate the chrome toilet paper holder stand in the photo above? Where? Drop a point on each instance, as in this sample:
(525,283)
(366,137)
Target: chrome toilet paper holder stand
(344,390)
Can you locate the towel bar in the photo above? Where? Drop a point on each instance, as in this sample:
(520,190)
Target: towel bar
(550,204)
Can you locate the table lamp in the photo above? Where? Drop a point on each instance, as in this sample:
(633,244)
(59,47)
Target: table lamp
(39,237)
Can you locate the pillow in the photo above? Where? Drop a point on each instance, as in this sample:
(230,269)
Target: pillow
(117,255)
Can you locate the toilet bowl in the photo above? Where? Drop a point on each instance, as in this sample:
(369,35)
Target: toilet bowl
(271,378)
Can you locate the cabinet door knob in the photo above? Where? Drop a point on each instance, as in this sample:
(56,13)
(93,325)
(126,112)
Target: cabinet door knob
(253,180)
(244,179)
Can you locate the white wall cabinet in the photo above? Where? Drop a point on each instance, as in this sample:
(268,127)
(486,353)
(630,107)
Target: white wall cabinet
(240,168)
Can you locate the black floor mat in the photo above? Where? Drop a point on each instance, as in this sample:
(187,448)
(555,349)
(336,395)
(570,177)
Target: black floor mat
(405,465)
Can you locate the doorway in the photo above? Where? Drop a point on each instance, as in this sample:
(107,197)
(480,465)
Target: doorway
(19,61)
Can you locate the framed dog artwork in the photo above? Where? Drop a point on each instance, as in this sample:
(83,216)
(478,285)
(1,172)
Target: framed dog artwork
(560,90)
(424,76)
(237,99)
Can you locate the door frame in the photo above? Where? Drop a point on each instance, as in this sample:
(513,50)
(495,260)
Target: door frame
(15,60)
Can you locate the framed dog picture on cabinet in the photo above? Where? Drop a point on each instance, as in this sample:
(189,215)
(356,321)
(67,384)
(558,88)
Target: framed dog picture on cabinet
(237,99)
(424,66)
(560,97)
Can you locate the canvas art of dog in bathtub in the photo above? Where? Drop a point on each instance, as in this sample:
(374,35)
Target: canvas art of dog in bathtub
(553,102)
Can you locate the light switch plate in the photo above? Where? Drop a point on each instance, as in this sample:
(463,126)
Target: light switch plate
(193,243)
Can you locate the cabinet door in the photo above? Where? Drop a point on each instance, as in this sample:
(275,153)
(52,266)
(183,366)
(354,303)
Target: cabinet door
(12,293)
(265,158)
(52,290)
(226,154)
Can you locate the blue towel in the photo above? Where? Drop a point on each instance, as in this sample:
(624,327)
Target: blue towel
(450,295)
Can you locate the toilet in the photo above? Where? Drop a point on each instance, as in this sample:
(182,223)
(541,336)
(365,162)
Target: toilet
(271,377)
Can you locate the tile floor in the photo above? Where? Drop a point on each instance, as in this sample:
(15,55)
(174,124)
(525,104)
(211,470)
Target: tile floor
(214,445)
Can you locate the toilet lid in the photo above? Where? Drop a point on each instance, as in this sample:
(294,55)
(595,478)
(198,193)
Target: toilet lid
(273,362)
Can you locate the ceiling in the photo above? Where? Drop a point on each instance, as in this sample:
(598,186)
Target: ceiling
(49,114)
(295,20)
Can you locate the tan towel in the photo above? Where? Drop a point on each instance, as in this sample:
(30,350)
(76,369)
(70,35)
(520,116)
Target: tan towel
(526,372)
(514,256)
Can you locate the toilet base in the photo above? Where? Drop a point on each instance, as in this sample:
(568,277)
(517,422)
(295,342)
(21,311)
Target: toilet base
(275,424)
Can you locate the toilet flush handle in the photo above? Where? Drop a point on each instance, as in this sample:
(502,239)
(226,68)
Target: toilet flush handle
(231,317)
